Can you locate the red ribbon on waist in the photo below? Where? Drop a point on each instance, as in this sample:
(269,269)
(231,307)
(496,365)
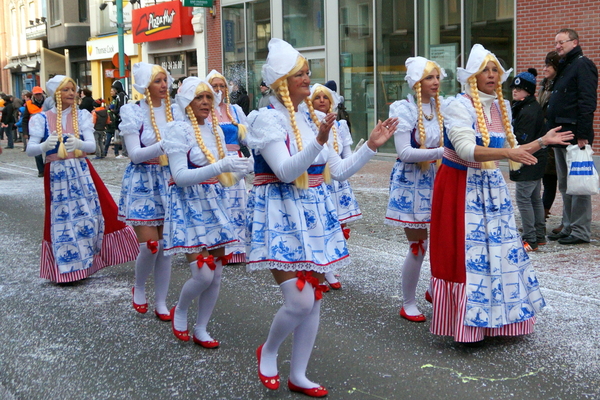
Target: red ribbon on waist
(305,277)
(210,261)
(152,246)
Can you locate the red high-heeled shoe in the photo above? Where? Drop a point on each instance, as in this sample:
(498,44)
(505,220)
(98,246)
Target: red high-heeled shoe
(208,344)
(181,335)
(336,286)
(312,392)
(412,318)
(162,317)
(141,308)
(270,382)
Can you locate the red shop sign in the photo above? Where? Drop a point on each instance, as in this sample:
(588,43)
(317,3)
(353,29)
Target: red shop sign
(161,21)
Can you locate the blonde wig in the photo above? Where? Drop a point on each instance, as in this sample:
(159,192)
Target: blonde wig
(226,178)
(62,151)
(241,127)
(157,69)
(429,68)
(280,87)
(485,135)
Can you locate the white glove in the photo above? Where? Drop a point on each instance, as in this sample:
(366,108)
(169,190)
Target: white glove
(235,164)
(49,143)
(250,169)
(73,144)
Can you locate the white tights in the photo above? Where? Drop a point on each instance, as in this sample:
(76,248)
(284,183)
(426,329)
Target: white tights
(411,270)
(300,314)
(204,284)
(145,263)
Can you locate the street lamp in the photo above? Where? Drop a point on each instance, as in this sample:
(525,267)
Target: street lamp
(120,36)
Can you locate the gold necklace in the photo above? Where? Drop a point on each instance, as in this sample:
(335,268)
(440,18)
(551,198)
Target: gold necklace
(430,116)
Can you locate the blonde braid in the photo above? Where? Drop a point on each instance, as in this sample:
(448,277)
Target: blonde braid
(485,135)
(75,118)
(510,136)
(62,151)
(423,165)
(302,181)
(326,171)
(162,159)
(438,110)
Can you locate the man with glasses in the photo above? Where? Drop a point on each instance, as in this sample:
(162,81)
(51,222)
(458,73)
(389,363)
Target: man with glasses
(572,105)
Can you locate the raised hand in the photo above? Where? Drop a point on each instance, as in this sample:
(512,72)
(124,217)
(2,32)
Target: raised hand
(73,144)
(553,136)
(326,124)
(382,132)
(49,143)
(235,164)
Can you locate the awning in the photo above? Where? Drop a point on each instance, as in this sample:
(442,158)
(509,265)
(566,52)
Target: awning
(13,65)
(33,64)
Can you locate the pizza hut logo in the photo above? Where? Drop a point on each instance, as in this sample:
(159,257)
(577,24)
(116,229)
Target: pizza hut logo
(156,23)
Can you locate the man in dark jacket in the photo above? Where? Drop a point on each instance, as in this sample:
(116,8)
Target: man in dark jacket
(8,120)
(119,100)
(572,105)
(528,126)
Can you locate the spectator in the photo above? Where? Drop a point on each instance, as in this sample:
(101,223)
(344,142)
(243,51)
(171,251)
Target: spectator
(8,120)
(87,102)
(239,96)
(549,180)
(572,105)
(119,99)
(265,93)
(528,125)
(100,119)
(34,106)
(111,128)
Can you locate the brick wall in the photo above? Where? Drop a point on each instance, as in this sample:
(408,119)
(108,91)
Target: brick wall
(538,21)
(213,38)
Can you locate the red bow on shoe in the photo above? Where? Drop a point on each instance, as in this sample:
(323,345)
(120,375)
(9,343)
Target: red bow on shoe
(225,259)
(210,261)
(346,232)
(417,246)
(152,246)
(306,277)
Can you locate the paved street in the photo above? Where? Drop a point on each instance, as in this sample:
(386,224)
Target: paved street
(85,341)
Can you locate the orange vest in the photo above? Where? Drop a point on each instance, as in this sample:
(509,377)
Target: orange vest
(32,108)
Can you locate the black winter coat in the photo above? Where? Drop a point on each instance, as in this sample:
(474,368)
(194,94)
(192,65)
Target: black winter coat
(573,100)
(528,125)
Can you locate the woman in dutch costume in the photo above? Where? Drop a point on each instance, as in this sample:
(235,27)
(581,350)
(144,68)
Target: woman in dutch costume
(145,181)
(232,121)
(419,143)
(81,231)
(482,279)
(325,101)
(292,221)
(198,220)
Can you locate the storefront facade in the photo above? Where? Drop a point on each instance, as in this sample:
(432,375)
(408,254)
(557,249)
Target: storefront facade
(363,45)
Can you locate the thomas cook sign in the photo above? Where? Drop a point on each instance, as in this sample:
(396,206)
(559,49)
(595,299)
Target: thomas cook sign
(161,21)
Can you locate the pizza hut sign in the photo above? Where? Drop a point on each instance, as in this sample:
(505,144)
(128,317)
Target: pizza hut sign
(161,21)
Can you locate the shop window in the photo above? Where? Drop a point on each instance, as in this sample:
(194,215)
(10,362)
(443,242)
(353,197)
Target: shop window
(304,23)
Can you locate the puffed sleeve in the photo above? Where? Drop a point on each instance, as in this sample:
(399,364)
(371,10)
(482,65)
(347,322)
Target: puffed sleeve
(175,137)
(239,113)
(265,126)
(86,131)
(132,119)
(459,119)
(37,126)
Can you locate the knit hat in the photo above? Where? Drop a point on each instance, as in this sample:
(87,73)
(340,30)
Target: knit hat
(553,59)
(415,67)
(281,60)
(142,73)
(187,91)
(331,85)
(98,102)
(525,81)
(476,58)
